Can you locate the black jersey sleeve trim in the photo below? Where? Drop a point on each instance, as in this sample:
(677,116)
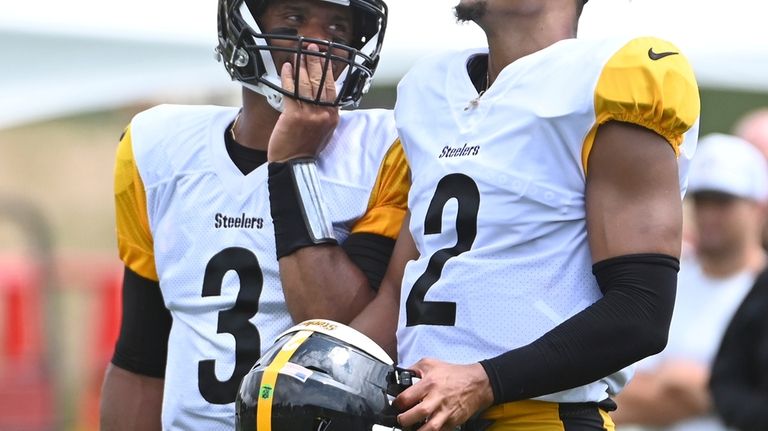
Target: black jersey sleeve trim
(371,253)
(142,346)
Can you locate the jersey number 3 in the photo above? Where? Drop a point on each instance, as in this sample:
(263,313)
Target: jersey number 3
(235,321)
(464,190)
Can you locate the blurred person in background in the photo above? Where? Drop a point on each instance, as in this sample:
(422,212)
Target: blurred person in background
(728,185)
(216,207)
(739,382)
(753,127)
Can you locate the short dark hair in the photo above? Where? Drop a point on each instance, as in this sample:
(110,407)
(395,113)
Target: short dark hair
(473,12)
(580,7)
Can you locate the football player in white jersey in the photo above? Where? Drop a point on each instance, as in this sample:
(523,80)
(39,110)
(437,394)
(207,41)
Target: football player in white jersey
(215,207)
(540,255)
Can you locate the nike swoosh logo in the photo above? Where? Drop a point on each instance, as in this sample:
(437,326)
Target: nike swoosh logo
(658,56)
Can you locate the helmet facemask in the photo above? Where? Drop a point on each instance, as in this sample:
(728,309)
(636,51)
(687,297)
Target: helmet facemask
(247,52)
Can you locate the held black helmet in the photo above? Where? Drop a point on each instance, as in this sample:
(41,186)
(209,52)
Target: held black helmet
(246,50)
(319,375)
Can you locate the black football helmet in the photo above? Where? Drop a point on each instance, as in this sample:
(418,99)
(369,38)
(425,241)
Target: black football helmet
(246,50)
(318,376)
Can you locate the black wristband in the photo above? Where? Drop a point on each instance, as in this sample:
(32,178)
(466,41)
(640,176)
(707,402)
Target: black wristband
(288,219)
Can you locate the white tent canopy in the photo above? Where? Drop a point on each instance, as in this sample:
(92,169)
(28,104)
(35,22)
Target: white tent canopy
(63,57)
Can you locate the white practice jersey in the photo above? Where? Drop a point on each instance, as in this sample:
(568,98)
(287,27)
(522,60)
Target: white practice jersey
(186,216)
(497,197)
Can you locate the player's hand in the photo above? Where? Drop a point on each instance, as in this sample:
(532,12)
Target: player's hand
(446,396)
(303,128)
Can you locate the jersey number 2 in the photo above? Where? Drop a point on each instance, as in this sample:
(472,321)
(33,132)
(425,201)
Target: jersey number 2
(235,321)
(464,190)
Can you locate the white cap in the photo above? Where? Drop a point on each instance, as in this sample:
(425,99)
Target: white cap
(727,164)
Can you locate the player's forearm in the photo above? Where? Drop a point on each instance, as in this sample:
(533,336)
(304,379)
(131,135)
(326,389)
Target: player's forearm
(318,279)
(379,319)
(130,402)
(322,282)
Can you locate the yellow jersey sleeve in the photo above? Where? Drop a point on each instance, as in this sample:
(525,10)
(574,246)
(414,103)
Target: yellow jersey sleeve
(134,238)
(389,198)
(650,83)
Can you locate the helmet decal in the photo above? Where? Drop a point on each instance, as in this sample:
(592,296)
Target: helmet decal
(268,379)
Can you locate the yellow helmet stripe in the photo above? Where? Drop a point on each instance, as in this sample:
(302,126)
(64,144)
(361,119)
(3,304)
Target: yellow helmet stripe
(268,379)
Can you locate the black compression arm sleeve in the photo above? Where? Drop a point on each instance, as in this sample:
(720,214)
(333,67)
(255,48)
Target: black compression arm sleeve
(371,253)
(142,345)
(630,322)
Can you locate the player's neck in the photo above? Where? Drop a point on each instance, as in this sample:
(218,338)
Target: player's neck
(522,36)
(256,122)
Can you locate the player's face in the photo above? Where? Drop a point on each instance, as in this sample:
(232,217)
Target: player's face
(724,223)
(308,18)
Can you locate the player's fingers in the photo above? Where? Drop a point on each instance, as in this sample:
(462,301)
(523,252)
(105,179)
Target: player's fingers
(305,87)
(286,77)
(410,397)
(422,367)
(315,70)
(416,414)
(329,84)
(439,420)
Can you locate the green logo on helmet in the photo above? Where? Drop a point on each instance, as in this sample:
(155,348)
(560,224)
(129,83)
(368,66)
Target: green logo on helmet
(266,392)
